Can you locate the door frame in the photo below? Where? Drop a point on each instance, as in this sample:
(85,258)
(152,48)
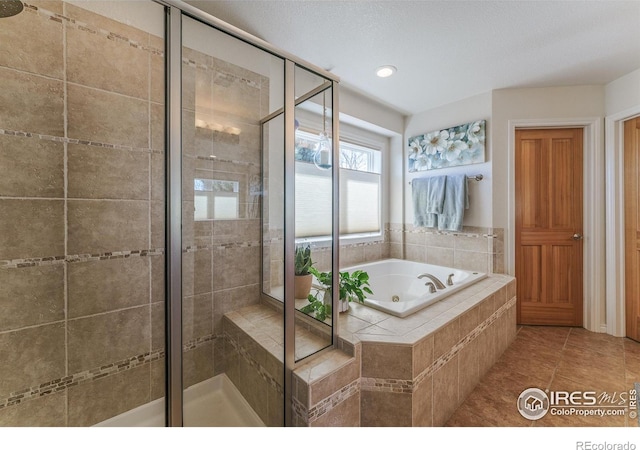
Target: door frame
(593,211)
(614,152)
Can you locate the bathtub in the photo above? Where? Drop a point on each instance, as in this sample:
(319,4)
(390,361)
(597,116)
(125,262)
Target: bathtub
(398,291)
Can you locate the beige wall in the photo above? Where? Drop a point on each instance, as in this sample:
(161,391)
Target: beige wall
(570,102)
(623,93)
(360,109)
(457,113)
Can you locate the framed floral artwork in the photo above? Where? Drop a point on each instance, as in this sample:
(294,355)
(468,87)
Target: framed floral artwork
(455,146)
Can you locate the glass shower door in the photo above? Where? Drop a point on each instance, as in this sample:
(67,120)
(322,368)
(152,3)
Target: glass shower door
(227,87)
(313,209)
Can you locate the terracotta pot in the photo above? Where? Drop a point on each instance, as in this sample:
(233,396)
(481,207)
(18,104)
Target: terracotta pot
(302,285)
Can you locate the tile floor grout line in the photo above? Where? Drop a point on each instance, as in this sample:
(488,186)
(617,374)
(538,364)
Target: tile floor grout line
(585,341)
(555,370)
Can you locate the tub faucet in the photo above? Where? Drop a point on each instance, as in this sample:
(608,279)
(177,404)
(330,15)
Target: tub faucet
(435,280)
(432,287)
(450,280)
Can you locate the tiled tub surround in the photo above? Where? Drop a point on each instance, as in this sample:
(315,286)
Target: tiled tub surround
(474,248)
(386,371)
(350,254)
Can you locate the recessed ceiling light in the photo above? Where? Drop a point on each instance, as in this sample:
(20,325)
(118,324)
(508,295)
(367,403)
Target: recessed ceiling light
(385,71)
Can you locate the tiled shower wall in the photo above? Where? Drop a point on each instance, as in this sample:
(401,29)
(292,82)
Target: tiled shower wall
(474,248)
(81,216)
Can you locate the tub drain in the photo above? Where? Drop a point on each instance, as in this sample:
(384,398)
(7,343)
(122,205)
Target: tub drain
(395,298)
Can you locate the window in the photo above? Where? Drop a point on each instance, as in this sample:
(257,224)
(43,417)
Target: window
(216,199)
(360,190)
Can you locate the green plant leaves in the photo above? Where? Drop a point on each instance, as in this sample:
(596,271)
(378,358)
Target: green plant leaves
(316,308)
(352,285)
(303,260)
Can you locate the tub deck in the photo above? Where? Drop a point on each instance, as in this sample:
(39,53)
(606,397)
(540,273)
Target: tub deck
(386,370)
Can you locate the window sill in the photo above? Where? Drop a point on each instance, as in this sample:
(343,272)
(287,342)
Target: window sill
(351,239)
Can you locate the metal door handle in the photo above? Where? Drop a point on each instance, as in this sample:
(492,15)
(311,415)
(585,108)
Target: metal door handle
(577,237)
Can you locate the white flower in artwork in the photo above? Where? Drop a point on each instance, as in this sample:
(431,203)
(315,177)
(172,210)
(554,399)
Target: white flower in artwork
(454,146)
(453,136)
(415,148)
(453,150)
(423,161)
(417,154)
(475,133)
(435,142)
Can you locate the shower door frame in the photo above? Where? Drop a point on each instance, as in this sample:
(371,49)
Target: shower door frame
(175,10)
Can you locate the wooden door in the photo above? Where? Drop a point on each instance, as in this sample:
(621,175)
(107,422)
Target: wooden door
(632,227)
(548,180)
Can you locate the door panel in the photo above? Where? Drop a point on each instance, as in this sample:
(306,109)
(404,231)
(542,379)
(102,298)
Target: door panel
(632,227)
(533,214)
(548,215)
(562,256)
(532,257)
(561,195)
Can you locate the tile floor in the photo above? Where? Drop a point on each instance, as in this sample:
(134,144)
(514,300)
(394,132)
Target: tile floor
(557,359)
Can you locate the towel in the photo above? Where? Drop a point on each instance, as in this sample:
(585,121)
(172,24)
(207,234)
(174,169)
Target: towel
(456,200)
(428,198)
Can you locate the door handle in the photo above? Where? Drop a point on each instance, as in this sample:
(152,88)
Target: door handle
(577,237)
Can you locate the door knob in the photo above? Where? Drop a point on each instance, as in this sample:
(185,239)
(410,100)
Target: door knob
(577,237)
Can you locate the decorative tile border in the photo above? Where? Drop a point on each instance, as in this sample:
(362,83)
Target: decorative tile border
(394,385)
(222,160)
(53,260)
(326,404)
(91,29)
(224,77)
(64,140)
(249,359)
(489,234)
(87,376)
(60,384)
(478,232)
(388,385)
(219,246)
(409,386)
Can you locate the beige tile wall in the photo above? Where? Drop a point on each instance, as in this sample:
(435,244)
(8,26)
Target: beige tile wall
(82,203)
(80,271)
(350,254)
(474,248)
(446,364)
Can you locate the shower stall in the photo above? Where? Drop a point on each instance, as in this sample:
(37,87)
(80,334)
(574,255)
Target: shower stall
(149,163)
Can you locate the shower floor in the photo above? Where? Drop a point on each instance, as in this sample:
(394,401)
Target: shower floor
(215,402)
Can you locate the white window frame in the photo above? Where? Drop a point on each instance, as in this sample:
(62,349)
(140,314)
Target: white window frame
(376,164)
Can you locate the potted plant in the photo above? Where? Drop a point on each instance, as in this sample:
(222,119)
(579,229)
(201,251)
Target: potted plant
(353,286)
(303,278)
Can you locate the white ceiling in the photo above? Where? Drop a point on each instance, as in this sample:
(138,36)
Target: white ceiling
(447,50)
